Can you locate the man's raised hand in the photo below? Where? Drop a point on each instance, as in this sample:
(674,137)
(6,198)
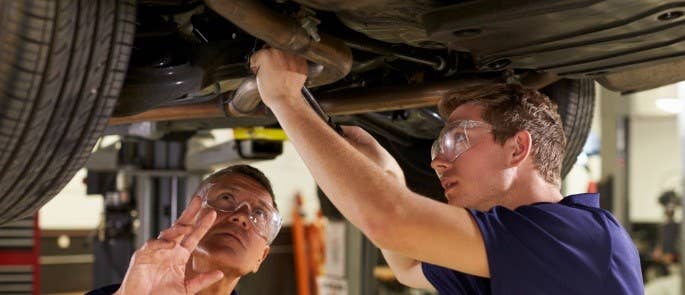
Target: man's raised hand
(159,266)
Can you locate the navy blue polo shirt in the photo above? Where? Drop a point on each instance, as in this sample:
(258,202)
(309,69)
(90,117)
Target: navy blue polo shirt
(570,247)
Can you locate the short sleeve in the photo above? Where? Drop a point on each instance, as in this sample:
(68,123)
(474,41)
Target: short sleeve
(448,281)
(543,249)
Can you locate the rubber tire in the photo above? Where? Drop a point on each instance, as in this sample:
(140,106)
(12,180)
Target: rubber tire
(576,101)
(576,106)
(62,68)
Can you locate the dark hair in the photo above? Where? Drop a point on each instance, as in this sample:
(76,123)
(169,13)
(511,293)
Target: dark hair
(245,170)
(511,108)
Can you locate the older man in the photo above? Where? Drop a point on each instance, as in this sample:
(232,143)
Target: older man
(224,234)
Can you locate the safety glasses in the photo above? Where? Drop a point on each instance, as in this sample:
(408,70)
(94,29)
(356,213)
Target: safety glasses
(455,139)
(265,219)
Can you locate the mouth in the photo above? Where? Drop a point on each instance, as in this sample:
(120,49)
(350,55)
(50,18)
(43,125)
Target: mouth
(448,185)
(232,236)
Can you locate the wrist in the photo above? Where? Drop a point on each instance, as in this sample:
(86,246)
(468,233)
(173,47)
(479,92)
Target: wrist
(286,102)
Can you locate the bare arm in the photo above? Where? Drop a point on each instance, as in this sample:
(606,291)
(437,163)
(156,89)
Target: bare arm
(406,270)
(391,215)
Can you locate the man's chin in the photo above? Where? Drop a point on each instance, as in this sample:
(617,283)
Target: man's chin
(455,200)
(461,202)
(229,258)
(223,247)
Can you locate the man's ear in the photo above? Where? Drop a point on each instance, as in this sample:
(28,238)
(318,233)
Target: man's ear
(520,146)
(261,260)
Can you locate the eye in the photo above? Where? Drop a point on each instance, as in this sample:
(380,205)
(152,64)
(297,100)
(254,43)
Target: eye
(459,136)
(452,140)
(224,198)
(259,212)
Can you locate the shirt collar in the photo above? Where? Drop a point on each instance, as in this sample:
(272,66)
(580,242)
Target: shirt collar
(589,200)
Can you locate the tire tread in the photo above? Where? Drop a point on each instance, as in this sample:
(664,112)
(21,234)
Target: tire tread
(55,102)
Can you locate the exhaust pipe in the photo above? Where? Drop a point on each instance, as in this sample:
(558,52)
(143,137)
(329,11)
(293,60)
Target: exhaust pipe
(354,101)
(333,57)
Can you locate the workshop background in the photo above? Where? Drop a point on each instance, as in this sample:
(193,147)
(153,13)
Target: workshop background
(87,233)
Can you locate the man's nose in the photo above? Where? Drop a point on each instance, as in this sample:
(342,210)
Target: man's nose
(439,164)
(240,217)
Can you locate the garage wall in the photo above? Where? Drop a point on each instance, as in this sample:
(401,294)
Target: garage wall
(72,208)
(654,164)
(655,161)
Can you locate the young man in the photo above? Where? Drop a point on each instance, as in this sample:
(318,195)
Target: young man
(506,228)
(223,234)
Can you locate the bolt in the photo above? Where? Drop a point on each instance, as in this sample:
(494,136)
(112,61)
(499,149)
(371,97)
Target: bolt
(499,64)
(671,15)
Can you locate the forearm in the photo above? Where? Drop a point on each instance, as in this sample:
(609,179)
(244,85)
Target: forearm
(347,176)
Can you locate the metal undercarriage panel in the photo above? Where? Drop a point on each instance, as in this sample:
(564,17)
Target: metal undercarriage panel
(574,38)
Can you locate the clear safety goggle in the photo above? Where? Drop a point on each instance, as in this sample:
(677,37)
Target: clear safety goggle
(454,139)
(266,220)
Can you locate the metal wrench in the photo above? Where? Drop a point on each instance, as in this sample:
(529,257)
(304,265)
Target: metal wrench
(309,97)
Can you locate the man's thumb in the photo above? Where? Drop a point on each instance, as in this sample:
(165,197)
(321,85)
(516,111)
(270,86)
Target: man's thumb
(203,281)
